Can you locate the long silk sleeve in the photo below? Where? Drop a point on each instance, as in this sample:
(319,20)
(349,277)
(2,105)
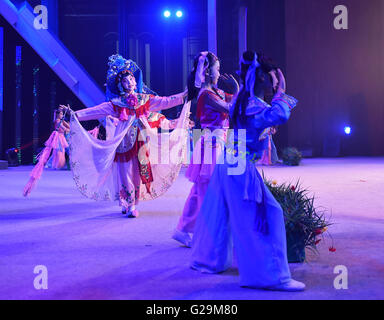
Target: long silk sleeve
(94,113)
(157,103)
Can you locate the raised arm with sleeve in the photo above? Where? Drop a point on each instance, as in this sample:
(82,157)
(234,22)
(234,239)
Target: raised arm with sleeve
(267,116)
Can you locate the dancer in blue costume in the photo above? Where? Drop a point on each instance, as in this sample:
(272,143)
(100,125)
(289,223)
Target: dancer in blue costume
(239,210)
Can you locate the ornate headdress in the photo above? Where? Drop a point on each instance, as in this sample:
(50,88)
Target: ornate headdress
(119,66)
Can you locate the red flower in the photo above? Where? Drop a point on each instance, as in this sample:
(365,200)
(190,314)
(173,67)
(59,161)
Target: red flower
(318,231)
(132,100)
(293,188)
(317,241)
(332,249)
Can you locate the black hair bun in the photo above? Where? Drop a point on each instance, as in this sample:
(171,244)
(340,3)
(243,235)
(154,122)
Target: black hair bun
(249,56)
(266,63)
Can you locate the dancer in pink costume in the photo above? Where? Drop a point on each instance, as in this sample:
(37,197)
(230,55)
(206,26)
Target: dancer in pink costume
(269,156)
(55,145)
(122,167)
(212,110)
(59,141)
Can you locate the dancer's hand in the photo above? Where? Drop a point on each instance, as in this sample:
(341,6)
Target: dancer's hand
(282,83)
(230,82)
(191,124)
(172,124)
(66,108)
(115,121)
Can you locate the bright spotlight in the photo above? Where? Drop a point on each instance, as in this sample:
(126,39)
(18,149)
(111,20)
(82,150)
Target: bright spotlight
(166,13)
(347,130)
(179,13)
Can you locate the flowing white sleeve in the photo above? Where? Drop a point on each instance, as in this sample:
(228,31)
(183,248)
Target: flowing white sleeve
(95,113)
(157,103)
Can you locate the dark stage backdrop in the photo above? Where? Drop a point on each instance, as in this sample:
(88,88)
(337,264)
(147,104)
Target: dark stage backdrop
(94,30)
(40,90)
(337,75)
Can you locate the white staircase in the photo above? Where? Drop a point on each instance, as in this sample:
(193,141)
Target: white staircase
(53,52)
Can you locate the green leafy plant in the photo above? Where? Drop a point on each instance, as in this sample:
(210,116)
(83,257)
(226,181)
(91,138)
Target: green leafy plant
(291,156)
(304,223)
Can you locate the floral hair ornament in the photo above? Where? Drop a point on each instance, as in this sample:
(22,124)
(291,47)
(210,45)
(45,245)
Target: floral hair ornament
(201,68)
(251,77)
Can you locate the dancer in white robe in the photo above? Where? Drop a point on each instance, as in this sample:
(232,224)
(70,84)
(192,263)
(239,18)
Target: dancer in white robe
(125,167)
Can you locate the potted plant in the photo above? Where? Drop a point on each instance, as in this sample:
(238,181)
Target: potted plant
(304,223)
(291,156)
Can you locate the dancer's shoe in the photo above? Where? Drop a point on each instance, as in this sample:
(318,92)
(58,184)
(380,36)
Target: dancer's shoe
(124,210)
(182,237)
(133,214)
(291,285)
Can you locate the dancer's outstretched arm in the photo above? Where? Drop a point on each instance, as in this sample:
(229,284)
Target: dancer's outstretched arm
(157,103)
(94,113)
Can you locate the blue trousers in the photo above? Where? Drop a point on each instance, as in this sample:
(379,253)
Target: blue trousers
(226,220)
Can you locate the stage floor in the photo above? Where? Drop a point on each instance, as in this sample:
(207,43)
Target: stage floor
(91,251)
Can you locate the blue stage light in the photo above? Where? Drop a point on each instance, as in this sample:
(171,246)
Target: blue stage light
(347,130)
(179,13)
(166,13)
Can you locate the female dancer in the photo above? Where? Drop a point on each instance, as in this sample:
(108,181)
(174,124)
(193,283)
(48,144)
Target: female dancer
(269,155)
(238,209)
(56,144)
(122,168)
(57,160)
(212,111)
